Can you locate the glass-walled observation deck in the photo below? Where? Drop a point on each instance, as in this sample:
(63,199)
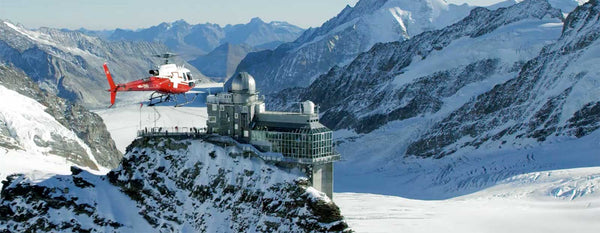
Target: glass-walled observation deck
(307,144)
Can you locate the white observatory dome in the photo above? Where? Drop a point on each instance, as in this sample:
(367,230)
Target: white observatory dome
(308,107)
(241,82)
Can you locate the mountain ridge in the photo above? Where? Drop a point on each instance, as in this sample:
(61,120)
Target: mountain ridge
(342,38)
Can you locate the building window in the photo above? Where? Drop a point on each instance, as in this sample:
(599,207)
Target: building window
(214,107)
(235,126)
(212,119)
(235,115)
(221,108)
(245,133)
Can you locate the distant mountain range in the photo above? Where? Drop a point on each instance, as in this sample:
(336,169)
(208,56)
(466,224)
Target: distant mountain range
(354,30)
(69,64)
(193,40)
(203,43)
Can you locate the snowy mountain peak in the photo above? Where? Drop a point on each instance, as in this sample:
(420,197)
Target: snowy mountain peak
(256,20)
(180,22)
(340,39)
(388,68)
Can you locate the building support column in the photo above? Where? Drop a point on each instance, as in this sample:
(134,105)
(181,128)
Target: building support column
(322,178)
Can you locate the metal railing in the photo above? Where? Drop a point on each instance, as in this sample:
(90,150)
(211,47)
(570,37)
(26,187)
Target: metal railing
(171,132)
(280,158)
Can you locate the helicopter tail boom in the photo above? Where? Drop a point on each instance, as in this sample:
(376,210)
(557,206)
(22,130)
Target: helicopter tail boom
(111,83)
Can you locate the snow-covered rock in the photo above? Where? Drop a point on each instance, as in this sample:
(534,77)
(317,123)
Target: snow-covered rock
(555,95)
(434,72)
(339,40)
(172,186)
(42,135)
(566,6)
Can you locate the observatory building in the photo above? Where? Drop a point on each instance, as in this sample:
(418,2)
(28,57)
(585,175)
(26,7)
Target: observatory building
(289,139)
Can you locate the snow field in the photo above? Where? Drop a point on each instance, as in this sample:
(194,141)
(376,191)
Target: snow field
(373,213)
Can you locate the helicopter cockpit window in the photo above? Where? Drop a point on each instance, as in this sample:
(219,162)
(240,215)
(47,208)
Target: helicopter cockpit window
(185,76)
(189,75)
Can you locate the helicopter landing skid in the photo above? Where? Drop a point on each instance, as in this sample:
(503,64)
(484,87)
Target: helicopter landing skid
(186,100)
(169,98)
(160,96)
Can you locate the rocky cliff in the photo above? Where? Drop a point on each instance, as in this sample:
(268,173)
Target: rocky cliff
(221,63)
(168,185)
(86,125)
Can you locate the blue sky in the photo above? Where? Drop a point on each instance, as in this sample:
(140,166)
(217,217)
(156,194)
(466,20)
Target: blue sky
(109,14)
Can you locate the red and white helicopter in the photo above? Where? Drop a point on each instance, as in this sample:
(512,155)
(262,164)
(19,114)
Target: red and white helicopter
(169,79)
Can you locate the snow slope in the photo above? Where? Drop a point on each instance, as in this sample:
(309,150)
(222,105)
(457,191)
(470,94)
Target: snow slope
(34,143)
(461,173)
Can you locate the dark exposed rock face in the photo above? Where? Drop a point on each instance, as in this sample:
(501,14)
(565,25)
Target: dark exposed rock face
(173,185)
(88,126)
(422,96)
